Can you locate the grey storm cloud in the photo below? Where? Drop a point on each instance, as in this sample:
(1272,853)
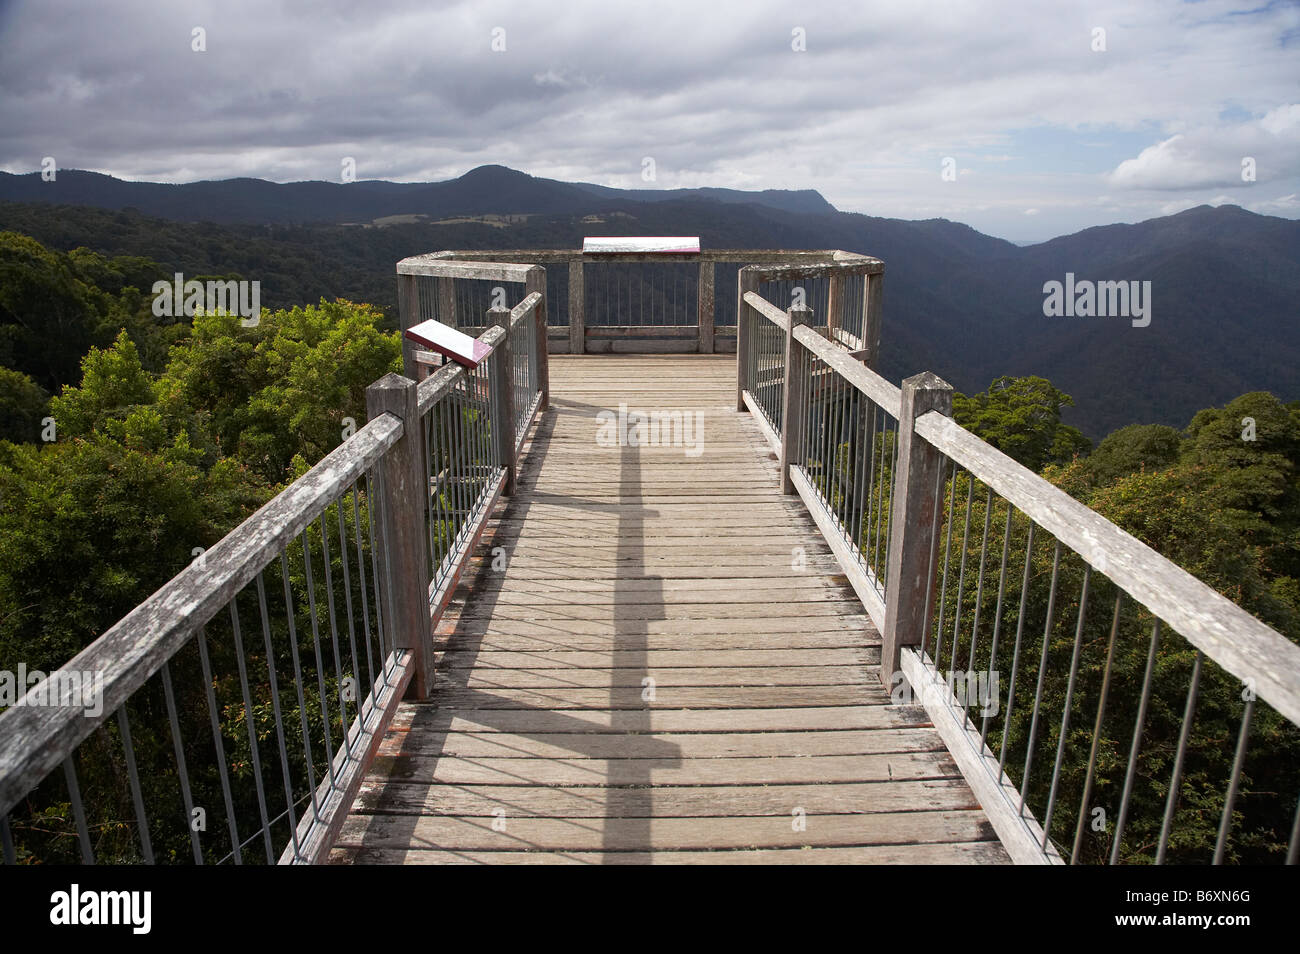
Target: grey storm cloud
(715,92)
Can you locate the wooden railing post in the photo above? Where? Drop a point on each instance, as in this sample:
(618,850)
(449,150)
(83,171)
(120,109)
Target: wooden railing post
(536,282)
(909,574)
(704,306)
(794,407)
(502,399)
(577,308)
(835,299)
(746,281)
(400,516)
(408,311)
(872,299)
(446,290)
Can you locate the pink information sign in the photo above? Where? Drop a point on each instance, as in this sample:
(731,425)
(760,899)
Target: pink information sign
(449,342)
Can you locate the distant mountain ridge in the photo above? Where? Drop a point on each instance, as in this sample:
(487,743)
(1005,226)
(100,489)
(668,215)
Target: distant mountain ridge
(968,306)
(486,190)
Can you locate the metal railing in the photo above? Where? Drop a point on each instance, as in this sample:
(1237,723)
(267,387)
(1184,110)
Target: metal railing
(832,423)
(1105,705)
(1109,649)
(233,703)
(231,716)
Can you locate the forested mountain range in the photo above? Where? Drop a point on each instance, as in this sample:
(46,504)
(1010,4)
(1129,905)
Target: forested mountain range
(1224,281)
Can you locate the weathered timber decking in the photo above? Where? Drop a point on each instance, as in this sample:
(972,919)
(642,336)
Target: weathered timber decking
(631,563)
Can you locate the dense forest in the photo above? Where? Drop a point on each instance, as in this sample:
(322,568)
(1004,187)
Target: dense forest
(127,441)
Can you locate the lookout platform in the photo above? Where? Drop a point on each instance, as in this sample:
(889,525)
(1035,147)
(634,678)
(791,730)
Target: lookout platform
(600,596)
(670,667)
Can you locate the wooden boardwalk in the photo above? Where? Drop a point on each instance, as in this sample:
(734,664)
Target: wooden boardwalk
(670,668)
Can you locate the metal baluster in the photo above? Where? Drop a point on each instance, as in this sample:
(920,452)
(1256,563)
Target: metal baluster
(1015,652)
(78,811)
(347,605)
(215,721)
(133,776)
(997,618)
(361,578)
(183,772)
(1042,672)
(275,709)
(1176,782)
(1137,742)
(961,576)
(375,506)
(7,840)
(315,638)
(297,674)
(947,560)
(334,632)
(979,598)
(249,723)
(930,569)
(1238,761)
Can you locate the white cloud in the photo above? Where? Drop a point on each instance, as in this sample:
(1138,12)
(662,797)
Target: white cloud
(1212,156)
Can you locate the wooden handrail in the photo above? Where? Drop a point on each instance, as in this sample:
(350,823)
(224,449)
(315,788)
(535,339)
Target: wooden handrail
(34,739)
(768,310)
(1250,650)
(884,394)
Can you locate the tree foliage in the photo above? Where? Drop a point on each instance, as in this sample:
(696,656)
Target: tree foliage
(1022,418)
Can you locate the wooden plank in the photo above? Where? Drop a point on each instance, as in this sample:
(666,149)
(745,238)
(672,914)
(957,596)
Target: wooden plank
(849,798)
(483,677)
(949,853)
(663,720)
(479,271)
(651,610)
(682,697)
(559,834)
(759,770)
(645,659)
(658,344)
(521,638)
(687,745)
(786,273)
(642,331)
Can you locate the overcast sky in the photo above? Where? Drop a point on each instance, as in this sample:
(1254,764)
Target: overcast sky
(1048,132)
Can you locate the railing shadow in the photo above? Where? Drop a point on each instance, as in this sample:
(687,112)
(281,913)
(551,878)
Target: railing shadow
(625,815)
